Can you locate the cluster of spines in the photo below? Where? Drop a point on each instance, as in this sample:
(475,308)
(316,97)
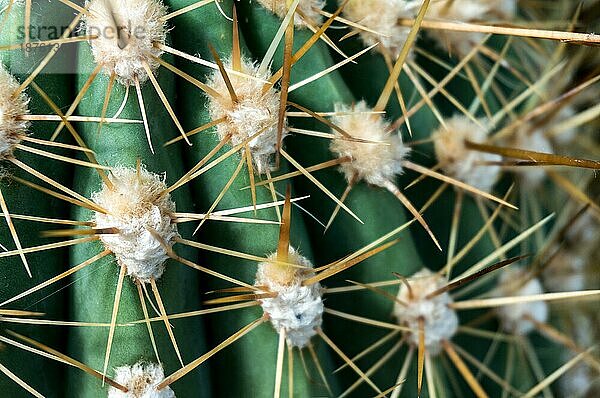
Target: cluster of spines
(349,140)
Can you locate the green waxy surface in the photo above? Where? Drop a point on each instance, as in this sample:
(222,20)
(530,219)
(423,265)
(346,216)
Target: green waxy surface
(93,290)
(367,79)
(26,201)
(379,210)
(251,360)
(248,367)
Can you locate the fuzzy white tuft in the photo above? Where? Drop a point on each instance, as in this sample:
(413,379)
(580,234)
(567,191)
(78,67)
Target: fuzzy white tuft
(458,161)
(440,321)
(135,207)
(565,137)
(253,112)
(309,9)
(140,379)
(382,17)
(580,380)
(12,129)
(585,231)
(127,31)
(377,163)
(566,272)
(461,43)
(513,317)
(577,381)
(297,309)
(536,140)
(568,269)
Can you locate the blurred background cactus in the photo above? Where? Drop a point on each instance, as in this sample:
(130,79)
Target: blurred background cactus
(299,198)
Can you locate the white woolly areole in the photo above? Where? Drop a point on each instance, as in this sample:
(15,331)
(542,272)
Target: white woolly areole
(135,207)
(585,231)
(440,321)
(512,317)
(382,17)
(461,43)
(579,380)
(576,381)
(567,136)
(571,263)
(566,272)
(308,8)
(297,309)
(253,112)
(376,163)
(140,380)
(127,31)
(532,176)
(11,128)
(462,163)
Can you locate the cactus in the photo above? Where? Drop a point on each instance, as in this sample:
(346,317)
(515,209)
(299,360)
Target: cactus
(352,198)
